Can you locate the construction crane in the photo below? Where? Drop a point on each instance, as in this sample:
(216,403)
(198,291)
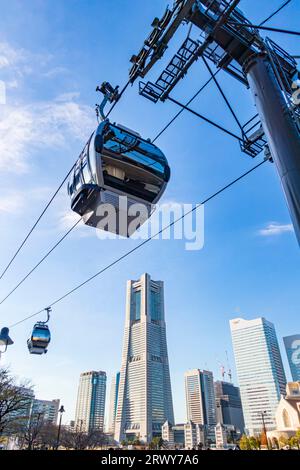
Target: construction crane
(229,368)
(233,44)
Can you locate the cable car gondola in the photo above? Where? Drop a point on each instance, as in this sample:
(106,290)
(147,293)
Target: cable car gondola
(40,336)
(115,162)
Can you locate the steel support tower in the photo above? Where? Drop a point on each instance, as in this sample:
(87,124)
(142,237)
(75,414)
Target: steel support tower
(230,41)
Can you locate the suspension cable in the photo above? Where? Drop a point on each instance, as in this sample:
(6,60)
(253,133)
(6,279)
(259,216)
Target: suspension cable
(189,102)
(69,231)
(140,245)
(52,198)
(41,261)
(119,97)
(223,94)
(275,12)
(36,223)
(218,126)
(266,28)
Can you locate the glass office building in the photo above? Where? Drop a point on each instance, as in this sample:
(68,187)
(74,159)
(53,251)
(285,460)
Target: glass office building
(292,348)
(259,369)
(145,397)
(114,392)
(90,404)
(229,405)
(200,397)
(47,409)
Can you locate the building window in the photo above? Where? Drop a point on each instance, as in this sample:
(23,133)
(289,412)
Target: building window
(286,419)
(136,305)
(155,305)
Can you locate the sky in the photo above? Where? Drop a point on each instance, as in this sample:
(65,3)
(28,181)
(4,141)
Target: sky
(52,56)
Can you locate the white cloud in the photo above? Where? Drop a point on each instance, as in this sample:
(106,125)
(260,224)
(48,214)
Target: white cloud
(25,129)
(68,219)
(15,201)
(275,228)
(11,203)
(10,56)
(19,61)
(55,71)
(40,125)
(69,96)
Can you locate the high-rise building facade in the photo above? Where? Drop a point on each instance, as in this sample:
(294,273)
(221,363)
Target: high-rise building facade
(200,397)
(145,397)
(90,406)
(260,371)
(48,409)
(113,402)
(228,405)
(292,347)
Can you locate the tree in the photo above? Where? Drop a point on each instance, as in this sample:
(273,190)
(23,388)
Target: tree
(245,443)
(156,443)
(254,443)
(297,436)
(80,440)
(48,436)
(283,441)
(136,442)
(293,442)
(29,435)
(15,402)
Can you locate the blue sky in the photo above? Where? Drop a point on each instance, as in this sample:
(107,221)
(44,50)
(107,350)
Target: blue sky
(52,56)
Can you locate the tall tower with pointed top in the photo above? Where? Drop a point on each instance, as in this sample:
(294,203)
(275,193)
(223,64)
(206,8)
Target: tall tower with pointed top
(145,397)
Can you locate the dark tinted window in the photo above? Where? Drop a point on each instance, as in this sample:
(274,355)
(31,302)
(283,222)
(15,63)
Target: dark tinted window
(134,148)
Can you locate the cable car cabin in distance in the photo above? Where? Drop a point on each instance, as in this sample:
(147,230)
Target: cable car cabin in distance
(117,162)
(39,339)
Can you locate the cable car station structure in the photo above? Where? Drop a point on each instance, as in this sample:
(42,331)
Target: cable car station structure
(229,41)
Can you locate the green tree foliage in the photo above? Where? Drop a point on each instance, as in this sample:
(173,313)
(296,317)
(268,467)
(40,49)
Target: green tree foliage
(254,442)
(284,441)
(156,443)
(244,443)
(293,442)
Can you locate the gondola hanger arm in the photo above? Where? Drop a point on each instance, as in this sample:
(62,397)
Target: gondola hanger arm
(110,95)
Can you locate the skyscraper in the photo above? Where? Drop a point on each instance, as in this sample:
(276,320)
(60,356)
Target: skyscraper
(113,402)
(292,347)
(90,405)
(145,397)
(200,397)
(47,409)
(259,369)
(229,405)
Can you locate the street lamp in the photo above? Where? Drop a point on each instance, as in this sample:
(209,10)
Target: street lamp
(264,426)
(5,339)
(61,411)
